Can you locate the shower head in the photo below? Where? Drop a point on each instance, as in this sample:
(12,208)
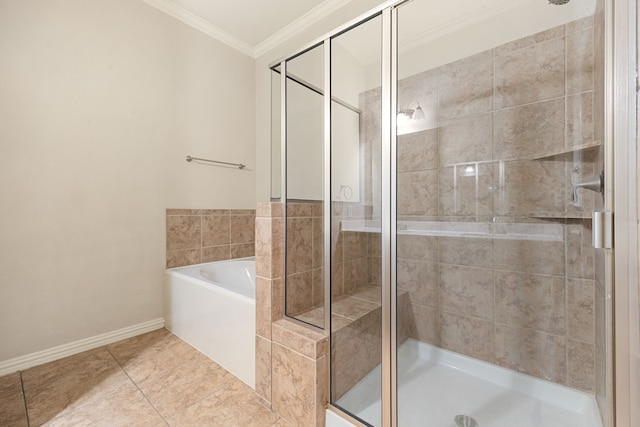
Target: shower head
(559,2)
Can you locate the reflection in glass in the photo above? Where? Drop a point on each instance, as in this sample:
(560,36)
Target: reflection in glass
(304,285)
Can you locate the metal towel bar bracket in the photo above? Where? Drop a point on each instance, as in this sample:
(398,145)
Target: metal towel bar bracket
(239,165)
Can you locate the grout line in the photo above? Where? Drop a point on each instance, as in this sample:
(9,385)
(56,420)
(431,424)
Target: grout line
(217,390)
(62,414)
(24,399)
(136,385)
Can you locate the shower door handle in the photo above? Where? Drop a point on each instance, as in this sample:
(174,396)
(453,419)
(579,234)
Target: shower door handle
(602,230)
(595,183)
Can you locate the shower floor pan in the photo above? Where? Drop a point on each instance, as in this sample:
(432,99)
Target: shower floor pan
(436,386)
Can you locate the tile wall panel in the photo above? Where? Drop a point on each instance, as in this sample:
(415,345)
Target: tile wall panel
(205,235)
(529,305)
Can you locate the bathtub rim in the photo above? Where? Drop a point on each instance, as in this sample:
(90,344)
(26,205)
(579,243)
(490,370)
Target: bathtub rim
(206,283)
(248,258)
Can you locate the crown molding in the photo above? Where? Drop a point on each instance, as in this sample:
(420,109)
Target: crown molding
(171,9)
(189,18)
(300,24)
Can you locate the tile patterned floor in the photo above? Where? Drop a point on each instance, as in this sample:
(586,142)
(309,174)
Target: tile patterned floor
(153,379)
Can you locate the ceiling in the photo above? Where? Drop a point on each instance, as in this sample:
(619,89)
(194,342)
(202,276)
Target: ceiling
(251,26)
(256,26)
(249,20)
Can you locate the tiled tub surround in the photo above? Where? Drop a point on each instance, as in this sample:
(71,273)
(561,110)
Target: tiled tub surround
(195,236)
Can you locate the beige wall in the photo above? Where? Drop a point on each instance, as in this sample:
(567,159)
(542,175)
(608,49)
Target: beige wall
(100,103)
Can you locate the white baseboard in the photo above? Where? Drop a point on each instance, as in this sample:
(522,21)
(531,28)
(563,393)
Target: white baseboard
(58,352)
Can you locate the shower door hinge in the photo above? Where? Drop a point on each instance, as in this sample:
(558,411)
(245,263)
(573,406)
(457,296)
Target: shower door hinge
(602,230)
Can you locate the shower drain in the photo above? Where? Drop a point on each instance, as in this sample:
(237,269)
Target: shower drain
(465,421)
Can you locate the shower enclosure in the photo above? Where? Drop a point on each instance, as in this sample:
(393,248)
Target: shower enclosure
(439,165)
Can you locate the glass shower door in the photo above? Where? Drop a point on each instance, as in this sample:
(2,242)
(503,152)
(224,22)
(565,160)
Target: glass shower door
(500,310)
(441,167)
(304,193)
(356,175)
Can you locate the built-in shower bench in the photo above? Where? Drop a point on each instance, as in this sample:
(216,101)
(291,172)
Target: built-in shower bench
(356,325)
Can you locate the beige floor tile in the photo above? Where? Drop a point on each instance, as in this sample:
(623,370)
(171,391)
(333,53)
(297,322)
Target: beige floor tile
(12,410)
(231,407)
(171,373)
(282,423)
(85,361)
(95,388)
(126,407)
(171,390)
(151,345)
(10,384)
(61,386)
(155,361)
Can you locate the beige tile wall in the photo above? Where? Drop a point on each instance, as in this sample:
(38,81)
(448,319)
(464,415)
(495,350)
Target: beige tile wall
(299,374)
(204,235)
(269,291)
(352,255)
(291,360)
(532,306)
(527,305)
(352,252)
(304,257)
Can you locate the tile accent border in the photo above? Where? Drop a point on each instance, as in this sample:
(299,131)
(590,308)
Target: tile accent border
(40,357)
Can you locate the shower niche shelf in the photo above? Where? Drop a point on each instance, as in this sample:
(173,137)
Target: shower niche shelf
(586,151)
(560,215)
(579,153)
(482,230)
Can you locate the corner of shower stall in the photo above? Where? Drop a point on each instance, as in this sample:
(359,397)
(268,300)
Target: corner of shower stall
(439,169)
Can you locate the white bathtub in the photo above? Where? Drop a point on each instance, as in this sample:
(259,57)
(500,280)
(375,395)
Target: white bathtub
(212,307)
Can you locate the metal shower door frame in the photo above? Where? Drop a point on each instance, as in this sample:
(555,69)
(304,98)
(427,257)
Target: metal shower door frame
(620,145)
(621,139)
